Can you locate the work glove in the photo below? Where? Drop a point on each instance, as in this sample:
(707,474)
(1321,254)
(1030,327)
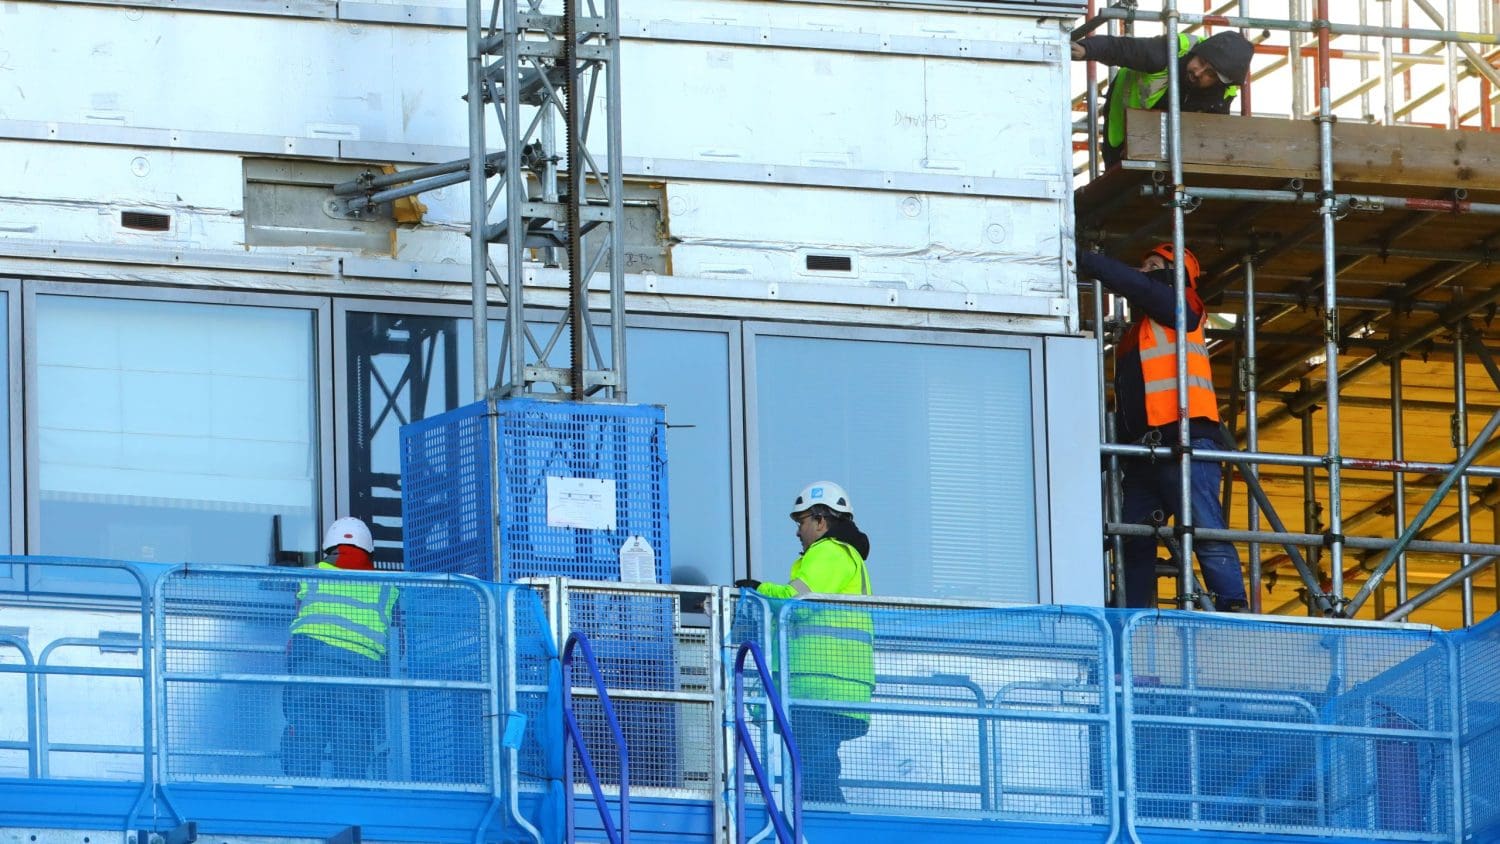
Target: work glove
(747,583)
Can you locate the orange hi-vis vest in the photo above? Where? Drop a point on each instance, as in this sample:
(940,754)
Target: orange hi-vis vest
(1158,350)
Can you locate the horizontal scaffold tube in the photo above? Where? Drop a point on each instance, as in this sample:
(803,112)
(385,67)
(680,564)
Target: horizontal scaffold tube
(1345,200)
(1230,21)
(1410,467)
(1368,543)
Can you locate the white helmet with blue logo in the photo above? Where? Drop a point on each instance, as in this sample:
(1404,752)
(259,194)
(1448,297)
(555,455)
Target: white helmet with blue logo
(827,493)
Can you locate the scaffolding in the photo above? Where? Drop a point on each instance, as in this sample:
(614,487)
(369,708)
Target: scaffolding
(1421,287)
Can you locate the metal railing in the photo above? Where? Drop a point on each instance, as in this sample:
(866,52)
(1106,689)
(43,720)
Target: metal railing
(207,645)
(787,832)
(1120,725)
(573,738)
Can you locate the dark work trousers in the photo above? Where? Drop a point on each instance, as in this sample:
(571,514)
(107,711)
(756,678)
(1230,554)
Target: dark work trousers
(818,733)
(1151,486)
(340,723)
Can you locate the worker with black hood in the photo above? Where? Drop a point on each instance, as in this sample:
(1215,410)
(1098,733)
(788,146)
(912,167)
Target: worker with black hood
(1210,71)
(831,650)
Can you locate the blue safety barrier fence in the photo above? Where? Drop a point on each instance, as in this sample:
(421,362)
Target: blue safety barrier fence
(1478,654)
(1144,724)
(232,697)
(1288,729)
(997,713)
(138,696)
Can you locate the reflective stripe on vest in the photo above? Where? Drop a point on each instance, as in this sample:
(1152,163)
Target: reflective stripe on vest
(1144,90)
(864,637)
(349,615)
(1157,347)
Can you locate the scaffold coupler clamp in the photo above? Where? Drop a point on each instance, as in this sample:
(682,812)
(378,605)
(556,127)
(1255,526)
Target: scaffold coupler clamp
(1152,441)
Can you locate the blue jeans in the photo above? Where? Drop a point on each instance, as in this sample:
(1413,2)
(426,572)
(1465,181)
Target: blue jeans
(1150,486)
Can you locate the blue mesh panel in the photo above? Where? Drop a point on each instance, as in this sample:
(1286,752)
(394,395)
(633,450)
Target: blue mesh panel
(1242,725)
(620,443)
(1479,693)
(999,713)
(445,488)
(247,701)
(445,493)
(634,641)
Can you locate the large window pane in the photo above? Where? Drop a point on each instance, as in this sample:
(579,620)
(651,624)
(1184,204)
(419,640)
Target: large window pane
(5,501)
(934,444)
(688,372)
(171,431)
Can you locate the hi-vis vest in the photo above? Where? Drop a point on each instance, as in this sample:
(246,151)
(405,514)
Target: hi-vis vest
(1143,90)
(831,655)
(1158,350)
(346,612)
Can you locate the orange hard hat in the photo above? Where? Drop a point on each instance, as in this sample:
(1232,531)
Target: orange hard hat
(1191,264)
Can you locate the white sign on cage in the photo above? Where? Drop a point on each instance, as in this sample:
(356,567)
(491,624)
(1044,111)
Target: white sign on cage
(637,561)
(587,503)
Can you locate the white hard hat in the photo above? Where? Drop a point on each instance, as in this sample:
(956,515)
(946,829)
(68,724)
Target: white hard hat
(827,493)
(348,531)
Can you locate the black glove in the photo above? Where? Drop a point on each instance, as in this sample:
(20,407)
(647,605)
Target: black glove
(747,583)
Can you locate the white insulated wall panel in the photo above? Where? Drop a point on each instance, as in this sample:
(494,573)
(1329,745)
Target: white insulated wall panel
(232,73)
(722,100)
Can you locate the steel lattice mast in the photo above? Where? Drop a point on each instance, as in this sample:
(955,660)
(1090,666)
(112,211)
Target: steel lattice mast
(535,70)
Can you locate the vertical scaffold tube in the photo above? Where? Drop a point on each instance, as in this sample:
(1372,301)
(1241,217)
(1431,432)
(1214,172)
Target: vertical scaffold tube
(1092,120)
(515,196)
(1398,493)
(1252,427)
(1450,66)
(1461,442)
(1387,67)
(1330,312)
(1187,589)
(479,248)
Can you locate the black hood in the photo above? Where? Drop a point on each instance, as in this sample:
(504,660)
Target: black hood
(845,531)
(1229,53)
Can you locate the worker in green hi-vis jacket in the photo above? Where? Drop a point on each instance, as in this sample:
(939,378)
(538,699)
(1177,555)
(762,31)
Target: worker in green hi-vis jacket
(830,650)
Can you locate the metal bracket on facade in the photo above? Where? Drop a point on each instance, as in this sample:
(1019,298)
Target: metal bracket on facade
(345,836)
(185,833)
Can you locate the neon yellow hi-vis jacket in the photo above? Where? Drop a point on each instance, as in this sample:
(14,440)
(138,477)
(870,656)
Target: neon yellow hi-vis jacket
(831,655)
(1144,90)
(351,612)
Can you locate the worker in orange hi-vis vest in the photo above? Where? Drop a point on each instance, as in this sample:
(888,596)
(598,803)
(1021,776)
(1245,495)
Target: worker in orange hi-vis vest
(1146,412)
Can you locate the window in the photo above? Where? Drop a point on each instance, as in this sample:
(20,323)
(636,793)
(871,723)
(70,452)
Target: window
(935,444)
(174,431)
(689,372)
(399,368)
(405,367)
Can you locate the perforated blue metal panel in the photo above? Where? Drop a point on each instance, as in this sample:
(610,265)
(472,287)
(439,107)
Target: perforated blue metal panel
(445,493)
(622,444)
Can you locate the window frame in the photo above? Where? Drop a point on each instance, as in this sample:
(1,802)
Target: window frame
(731,328)
(322,372)
(1033,345)
(15,407)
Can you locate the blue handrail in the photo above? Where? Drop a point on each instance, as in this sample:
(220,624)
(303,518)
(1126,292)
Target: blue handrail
(573,737)
(744,748)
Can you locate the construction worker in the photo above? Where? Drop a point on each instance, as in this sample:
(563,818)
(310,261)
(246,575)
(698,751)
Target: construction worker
(342,629)
(831,649)
(1210,71)
(1146,412)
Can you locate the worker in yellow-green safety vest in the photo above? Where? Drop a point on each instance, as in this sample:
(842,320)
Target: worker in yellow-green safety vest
(1210,71)
(830,649)
(342,629)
